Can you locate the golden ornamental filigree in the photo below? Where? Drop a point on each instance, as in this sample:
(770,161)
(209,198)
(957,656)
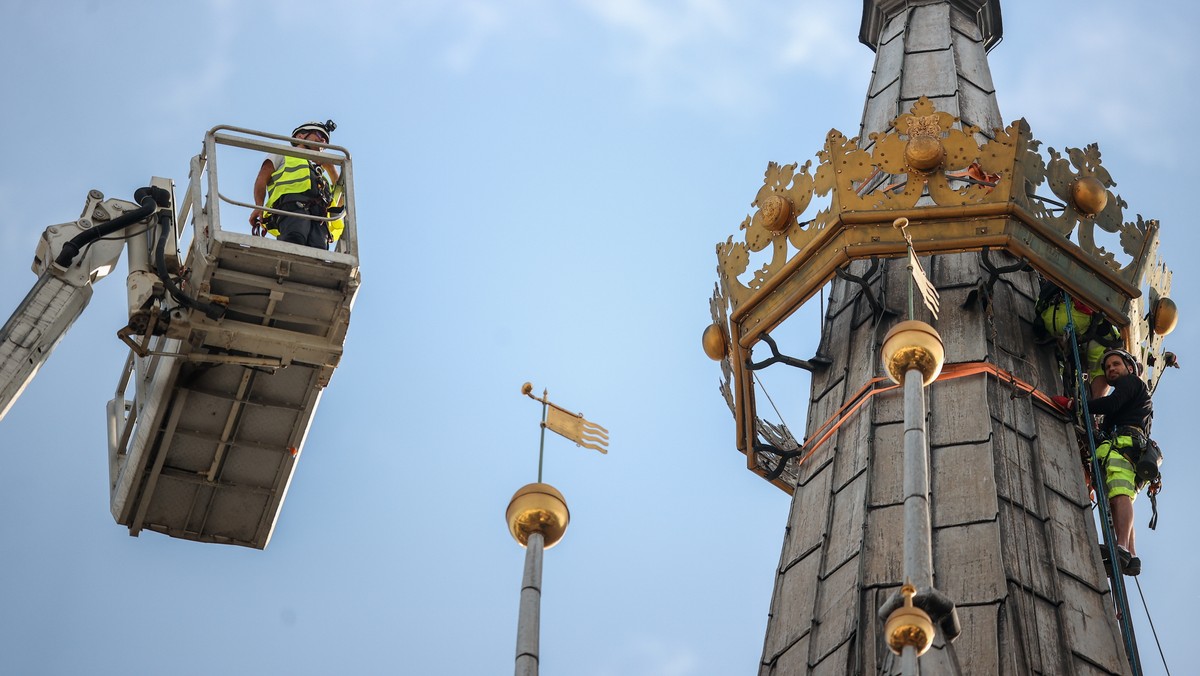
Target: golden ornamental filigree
(785,195)
(1006,169)
(844,167)
(718,307)
(1146,342)
(1056,211)
(929,149)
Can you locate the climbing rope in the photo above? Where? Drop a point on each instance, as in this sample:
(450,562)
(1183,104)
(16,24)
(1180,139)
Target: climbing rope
(763,387)
(1152,629)
(1099,478)
(783,455)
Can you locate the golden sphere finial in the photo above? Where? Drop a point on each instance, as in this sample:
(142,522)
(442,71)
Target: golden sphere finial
(913,345)
(908,625)
(715,345)
(538,508)
(1088,195)
(924,153)
(776,213)
(1164,316)
(527,388)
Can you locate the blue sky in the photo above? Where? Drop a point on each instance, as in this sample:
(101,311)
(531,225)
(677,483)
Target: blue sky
(540,189)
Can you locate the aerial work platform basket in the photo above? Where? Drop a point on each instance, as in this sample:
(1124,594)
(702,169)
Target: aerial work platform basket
(205,446)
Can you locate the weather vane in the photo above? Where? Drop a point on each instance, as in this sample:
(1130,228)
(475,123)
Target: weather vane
(538,517)
(565,423)
(929,294)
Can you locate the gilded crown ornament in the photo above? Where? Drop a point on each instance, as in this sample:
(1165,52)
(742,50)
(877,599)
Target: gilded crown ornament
(959,190)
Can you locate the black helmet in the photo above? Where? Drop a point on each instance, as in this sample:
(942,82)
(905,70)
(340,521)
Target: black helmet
(1134,366)
(326,128)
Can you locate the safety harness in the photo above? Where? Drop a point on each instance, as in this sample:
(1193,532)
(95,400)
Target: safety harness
(298,182)
(1144,455)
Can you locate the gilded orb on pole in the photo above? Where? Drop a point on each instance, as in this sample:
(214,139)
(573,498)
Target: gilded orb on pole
(538,508)
(908,625)
(913,345)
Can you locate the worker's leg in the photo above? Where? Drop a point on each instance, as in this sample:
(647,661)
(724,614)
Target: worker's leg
(292,228)
(1120,481)
(1122,516)
(318,235)
(304,231)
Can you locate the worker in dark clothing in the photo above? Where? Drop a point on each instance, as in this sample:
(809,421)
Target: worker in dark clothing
(299,186)
(1127,412)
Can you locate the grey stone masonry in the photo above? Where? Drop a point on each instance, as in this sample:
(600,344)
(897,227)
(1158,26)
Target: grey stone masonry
(1014,541)
(934,49)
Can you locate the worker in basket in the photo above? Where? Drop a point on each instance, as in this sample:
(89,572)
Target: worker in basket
(1129,457)
(301,187)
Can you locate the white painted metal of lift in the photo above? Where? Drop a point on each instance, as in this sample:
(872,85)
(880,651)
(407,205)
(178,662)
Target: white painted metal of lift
(206,448)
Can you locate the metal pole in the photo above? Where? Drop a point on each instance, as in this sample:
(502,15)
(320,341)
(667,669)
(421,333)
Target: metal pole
(918,554)
(542,443)
(529,618)
(908,661)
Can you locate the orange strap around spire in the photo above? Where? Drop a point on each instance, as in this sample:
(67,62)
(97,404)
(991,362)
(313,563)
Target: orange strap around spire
(950,372)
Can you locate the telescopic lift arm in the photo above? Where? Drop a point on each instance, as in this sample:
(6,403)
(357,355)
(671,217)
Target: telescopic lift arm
(70,258)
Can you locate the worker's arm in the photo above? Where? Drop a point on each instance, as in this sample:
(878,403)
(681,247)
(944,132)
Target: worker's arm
(1124,389)
(260,190)
(333,173)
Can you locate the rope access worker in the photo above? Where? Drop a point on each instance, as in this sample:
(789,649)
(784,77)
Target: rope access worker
(299,186)
(1125,431)
(1095,333)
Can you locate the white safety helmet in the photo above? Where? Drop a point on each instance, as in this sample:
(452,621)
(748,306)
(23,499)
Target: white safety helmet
(1135,367)
(324,128)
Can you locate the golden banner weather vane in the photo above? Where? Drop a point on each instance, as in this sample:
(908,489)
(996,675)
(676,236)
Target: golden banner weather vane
(929,293)
(565,423)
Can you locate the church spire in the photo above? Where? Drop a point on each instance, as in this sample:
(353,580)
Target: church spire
(936,49)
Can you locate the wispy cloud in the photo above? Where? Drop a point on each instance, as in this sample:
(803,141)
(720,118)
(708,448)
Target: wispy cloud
(724,53)
(719,53)
(820,37)
(1120,78)
(479,21)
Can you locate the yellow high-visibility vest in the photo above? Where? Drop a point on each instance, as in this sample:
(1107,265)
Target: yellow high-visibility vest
(336,227)
(297,176)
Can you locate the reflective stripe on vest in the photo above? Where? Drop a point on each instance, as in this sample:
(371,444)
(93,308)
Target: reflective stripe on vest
(294,177)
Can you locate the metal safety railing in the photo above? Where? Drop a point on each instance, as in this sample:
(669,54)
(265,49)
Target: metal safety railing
(203,175)
(245,328)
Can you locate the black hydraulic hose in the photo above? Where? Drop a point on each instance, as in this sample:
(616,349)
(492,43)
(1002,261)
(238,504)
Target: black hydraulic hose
(210,310)
(72,248)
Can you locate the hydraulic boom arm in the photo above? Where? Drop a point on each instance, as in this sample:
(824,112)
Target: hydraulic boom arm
(70,258)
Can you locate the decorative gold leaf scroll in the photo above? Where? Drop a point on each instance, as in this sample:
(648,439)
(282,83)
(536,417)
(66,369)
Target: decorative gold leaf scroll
(1148,345)
(718,305)
(930,168)
(1007,168)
